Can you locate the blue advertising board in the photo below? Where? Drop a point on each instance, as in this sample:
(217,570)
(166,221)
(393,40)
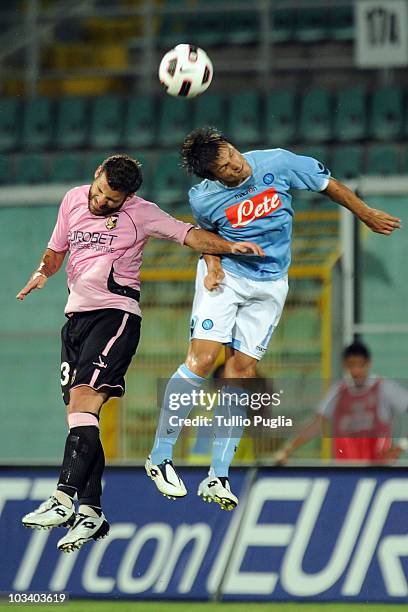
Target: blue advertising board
(298,534)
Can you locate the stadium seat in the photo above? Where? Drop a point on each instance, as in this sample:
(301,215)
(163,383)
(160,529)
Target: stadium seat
(243,117)
(169,181)
(311,24)
(283,25)
(174,121)
(319,152)
(347,161)
(6,170)
(280,117)
(30,168)
(342,23)
(209,110)
(37,124)
(66,168)
(350,114)
(315,116)
(140,121)
(92,160)
(147,161)
(382,160)
(106,122)
(386,116)
(71,123)
(404,162)
(9,123)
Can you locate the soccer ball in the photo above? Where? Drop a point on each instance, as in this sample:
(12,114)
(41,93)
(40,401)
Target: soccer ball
(185,71)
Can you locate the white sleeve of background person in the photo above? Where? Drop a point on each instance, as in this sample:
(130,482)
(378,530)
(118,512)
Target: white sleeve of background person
(327,405)
(395,395)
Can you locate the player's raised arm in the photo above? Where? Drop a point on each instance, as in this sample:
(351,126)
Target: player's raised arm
(206,242)
(50,264)
(377,220)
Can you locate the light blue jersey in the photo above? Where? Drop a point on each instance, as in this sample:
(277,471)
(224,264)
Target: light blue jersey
(259,210)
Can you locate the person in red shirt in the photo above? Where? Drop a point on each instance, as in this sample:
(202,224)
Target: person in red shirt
(359,411)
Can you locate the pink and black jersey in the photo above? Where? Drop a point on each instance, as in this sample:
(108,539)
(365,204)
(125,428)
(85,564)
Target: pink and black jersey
(105,253)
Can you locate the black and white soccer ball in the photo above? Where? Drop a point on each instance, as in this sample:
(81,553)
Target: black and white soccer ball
(186,71)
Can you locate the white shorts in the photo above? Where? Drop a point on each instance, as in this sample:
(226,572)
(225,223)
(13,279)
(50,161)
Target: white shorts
(242,313)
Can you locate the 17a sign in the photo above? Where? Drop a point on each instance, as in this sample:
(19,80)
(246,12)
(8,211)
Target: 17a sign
(381,33)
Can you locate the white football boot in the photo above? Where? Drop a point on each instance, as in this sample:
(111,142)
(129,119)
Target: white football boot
(213,489)
(51,513)
(166,478)
(85,528)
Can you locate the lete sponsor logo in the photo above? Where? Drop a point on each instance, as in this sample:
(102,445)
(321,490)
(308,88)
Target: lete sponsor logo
(248,210)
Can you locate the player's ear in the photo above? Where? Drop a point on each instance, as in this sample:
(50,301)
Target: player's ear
(98,171)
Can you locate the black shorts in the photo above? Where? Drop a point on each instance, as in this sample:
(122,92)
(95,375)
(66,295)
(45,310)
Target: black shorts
(97,348)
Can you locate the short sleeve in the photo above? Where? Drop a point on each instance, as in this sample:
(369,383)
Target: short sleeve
(327,405)
(59,238)
(159,224)
(395,395)
(306,173)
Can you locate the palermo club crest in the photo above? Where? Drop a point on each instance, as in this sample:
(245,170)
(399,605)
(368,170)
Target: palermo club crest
(111,222)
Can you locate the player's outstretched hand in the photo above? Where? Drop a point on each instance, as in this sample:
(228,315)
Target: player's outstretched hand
(281,456)
(37,281)
(214,278)
(392,454)
(381,222)
(247,248)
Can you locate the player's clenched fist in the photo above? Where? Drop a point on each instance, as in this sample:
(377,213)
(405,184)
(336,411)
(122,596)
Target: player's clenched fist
(37,281)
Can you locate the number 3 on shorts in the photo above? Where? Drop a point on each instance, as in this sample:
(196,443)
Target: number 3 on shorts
(64,373)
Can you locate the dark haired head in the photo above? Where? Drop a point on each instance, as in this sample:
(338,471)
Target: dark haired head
(357,349)
(200,150)
(123,173)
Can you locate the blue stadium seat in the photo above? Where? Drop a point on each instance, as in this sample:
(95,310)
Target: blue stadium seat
(386,116)
(106,122)
(350,114)
(347,161)
(71,123)
(280,116)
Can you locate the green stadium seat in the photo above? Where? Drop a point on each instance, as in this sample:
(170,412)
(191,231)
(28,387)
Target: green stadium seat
(71,123)
(283,25)
(106,122)
(140,121)
(9,123)
(209,110)
(319,152)
(241,27)
(382,160)
(92,160)
(347,161)
(243,117)
(315,116)
(169,181)
(404,163)
(350,114)
(280,117)
(37,126)
(174,121)
(31,168)
(311,24)
(342,23)
(386,116)
(6,170)
(147,161)
(66,168)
